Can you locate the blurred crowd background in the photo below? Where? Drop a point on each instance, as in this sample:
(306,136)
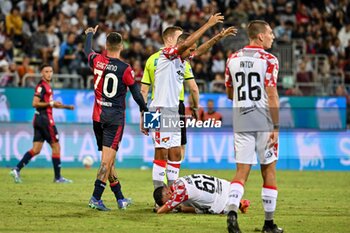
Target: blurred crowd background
(312,39)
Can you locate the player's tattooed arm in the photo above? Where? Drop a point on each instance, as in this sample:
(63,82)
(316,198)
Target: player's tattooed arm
(102,172)
(213,20)
(231,31)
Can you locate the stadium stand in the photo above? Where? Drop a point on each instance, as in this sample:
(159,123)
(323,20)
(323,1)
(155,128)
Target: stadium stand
(313,33)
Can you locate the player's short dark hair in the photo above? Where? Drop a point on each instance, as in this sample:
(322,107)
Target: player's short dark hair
(158,195)
(44,66)
(256,27)
(169,31)
(114,39)
(183,37)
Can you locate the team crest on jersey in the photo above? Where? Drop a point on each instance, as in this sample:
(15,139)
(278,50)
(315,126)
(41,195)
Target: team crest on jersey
(165,140)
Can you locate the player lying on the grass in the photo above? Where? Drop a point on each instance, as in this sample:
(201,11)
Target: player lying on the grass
(196,193)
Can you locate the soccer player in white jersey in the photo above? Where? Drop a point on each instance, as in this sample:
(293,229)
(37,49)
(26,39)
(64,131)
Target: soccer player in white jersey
(196,193)
(251,78)
(169,36)
(168,83)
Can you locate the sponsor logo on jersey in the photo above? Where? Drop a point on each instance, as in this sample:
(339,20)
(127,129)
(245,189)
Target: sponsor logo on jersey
(181,74)
(246,110)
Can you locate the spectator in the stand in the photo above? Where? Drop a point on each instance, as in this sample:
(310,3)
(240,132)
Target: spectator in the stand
(211,113)
(302,15)
(54,43)
(219,62)
(67,54)
(198,71)
(122,24)
(70,7)
(5,7)
(79,18)
(92,18)
(155,19)
(3,34)
(101,39)
(136,52)
(283,32)
(138,71)
(14,25)
(3,60)
(305,77)
(51,9)
(108,7)
(344,35)
(40,43)
(8,50)
(140,26)
(172,9)
(170,20)
(218,84)
(182,22)
(289,14)
(30,22)
(23,69)
(80,65)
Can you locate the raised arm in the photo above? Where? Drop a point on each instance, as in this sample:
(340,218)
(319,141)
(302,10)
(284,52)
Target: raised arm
(213,20)
(88,41)
(208,44)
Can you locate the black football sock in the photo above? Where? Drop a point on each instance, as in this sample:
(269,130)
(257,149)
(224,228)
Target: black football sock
(56,161)
(117,190)
(269,223)
(99,188)
(25,160)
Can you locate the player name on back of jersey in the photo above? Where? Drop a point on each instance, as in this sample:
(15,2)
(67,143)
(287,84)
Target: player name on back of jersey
(246,64)
(110,67)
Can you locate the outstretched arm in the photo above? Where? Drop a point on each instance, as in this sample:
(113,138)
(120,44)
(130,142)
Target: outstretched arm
(213,20)
(163,210)
(207,45)
(88,42)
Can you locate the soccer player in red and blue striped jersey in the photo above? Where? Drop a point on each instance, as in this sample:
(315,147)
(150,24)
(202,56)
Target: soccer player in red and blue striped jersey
(112,77)
(44,126)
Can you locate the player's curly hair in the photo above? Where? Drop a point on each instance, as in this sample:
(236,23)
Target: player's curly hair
(158,195)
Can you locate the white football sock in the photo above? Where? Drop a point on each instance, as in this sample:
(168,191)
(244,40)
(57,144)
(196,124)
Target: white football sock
(235,196)
(269,199)
(158,173)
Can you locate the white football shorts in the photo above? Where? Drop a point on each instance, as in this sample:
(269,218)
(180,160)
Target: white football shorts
(252,145)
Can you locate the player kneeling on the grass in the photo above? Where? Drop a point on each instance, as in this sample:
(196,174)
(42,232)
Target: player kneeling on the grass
(197,193)
(112,77)
(44,126)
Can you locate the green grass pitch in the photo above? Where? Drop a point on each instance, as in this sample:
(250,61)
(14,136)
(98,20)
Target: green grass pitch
(307,202)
